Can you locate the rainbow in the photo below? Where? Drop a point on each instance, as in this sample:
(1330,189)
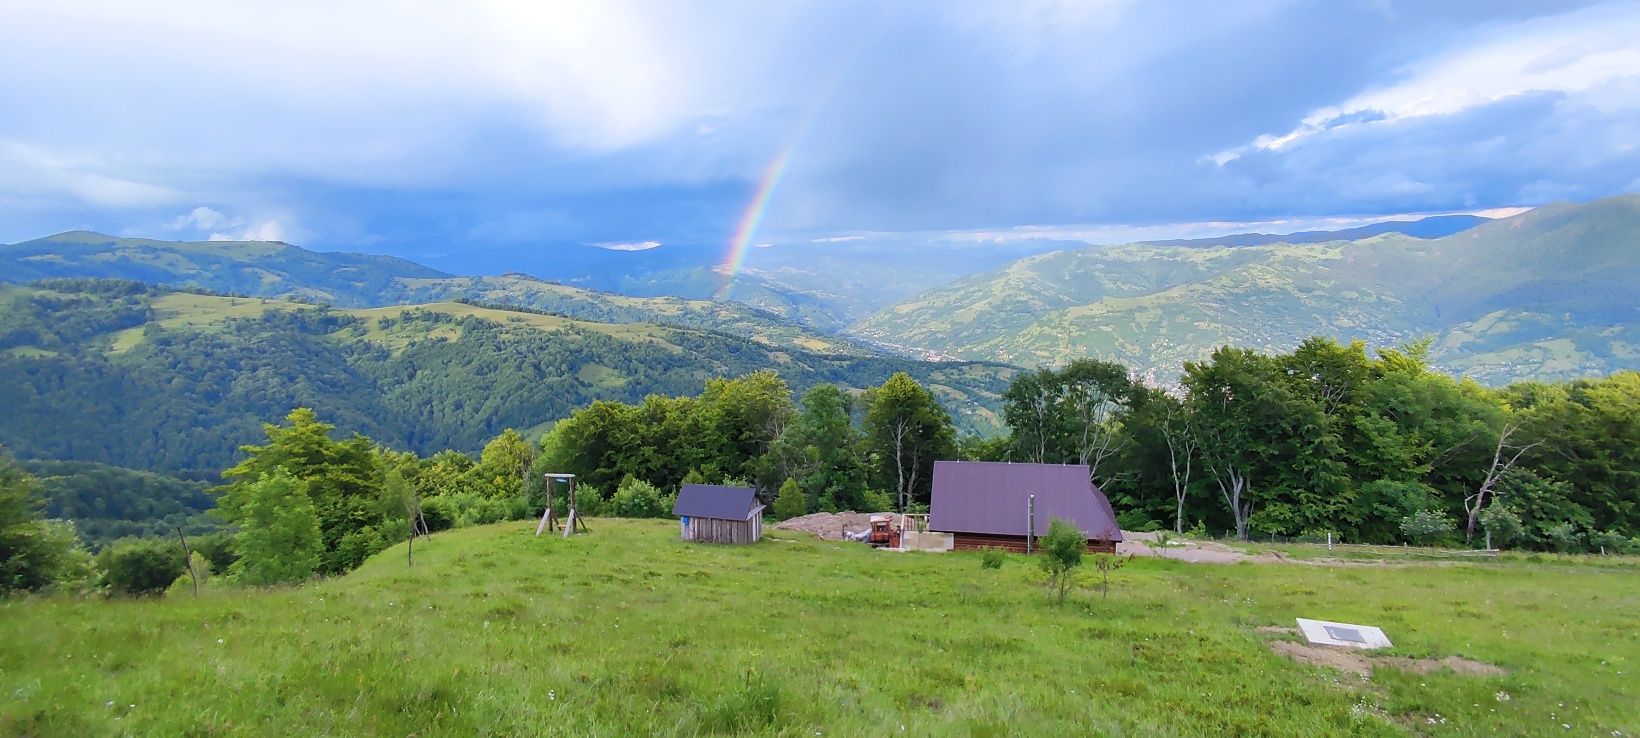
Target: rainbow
(747,227)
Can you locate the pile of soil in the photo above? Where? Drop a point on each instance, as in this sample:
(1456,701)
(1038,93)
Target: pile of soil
(829,526)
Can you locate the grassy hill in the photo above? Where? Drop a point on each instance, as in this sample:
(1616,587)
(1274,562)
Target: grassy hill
(1545,294)
(139,377)
(628,631)
(280,270)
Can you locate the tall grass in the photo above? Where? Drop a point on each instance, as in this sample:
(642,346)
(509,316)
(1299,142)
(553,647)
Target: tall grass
(627,631)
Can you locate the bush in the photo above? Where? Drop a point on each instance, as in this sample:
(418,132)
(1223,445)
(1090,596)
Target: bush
(184,583)
(638,499)
(1426,527)
(139,567)
(1613,542)
(72,569)
(1062,551)
(992,558)
(1563,537)
(1502,525)
(217,548)
(790,502)
(438,513)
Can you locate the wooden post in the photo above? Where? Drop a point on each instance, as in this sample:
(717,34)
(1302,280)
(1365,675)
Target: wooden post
(188,556)
(1329,540)
(1030,522)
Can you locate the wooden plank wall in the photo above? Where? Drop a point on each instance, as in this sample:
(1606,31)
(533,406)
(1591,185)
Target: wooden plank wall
(716,530)
(1016,544)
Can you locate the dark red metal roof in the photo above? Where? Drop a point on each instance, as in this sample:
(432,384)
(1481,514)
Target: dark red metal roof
(992,497)
(716,501)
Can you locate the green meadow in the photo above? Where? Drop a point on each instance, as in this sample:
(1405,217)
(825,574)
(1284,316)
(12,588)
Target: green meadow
(627,631)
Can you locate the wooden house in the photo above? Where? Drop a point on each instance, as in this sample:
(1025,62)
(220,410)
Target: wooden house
(986,504)
(718,514)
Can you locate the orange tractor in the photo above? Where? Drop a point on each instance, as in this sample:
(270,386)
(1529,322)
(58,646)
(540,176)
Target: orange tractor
(884,534)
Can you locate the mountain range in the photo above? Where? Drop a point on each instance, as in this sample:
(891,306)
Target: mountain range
(152,378)
(1547,294)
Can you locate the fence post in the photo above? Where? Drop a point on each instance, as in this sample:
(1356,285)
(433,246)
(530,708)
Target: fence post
(1329,540)
(1030,522)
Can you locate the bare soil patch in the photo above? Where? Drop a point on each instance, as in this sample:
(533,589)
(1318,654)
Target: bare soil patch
(1363,664)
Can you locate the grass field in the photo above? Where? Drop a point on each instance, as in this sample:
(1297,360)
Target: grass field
(627,631)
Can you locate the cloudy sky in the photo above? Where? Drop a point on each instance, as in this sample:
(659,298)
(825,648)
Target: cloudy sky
(417,128)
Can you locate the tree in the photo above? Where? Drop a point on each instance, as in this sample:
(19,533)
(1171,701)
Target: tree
(1426,527)
(1095,395)
(907,430)
(1504,457)
(1181,442)
(1062,551)
(821,450)
(791,502)
(1502,525)
(342,480)
(401,502)
(35,554)
(1031,407)
(279,539)
(503,467)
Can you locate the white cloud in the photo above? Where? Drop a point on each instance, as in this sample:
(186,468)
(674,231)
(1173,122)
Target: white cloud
(1573,53)
(629,246)
(267,230)
(204,219)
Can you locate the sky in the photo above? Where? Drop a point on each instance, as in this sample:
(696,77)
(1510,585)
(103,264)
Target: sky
(417,128)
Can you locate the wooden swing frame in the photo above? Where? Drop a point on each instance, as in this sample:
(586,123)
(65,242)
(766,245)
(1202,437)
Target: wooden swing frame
(572,522)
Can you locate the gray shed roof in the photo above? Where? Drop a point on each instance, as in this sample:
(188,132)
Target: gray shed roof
(992,498)
(716,501)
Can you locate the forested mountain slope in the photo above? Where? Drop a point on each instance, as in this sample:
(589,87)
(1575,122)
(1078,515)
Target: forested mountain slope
(125,374)
(1543,295)
(274,269)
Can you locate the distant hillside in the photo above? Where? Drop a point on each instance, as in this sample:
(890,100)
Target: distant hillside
(1435,226)
(124,374)
(1546,294)
(273,269)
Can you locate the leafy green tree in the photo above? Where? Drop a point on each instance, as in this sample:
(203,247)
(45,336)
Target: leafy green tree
(1032,408)
(342,480)
(279,540)
(1062,551)
(503,467)
(907,431)
(821,449)
(1096,395)
(791,502)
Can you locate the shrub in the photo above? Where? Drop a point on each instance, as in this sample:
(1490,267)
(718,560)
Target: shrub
(217,548)
(992,558)
(790,502)
(1199,530)
(1502,524)
(438,513)
(72,569)
(1613,542)
(1062,552)
(141,566)
(1426,527)
(638,499)
(36,554)
(1563,537)
(184,583)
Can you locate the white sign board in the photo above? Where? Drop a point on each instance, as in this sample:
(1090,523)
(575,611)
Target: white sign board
(1325,633)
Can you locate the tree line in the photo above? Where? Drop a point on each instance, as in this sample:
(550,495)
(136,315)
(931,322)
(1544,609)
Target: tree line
(1326,439)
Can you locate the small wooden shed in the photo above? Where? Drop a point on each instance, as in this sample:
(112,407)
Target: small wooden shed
(718,514)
